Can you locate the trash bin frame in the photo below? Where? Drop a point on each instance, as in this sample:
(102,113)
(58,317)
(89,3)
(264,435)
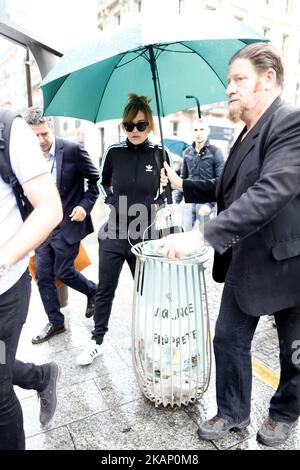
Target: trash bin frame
(196,265)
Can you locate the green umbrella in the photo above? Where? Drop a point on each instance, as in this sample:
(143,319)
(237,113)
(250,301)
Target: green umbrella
(172,59)
(169,59)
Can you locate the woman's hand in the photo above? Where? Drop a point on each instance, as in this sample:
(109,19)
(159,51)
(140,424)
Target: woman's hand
(167,175)
(204,210)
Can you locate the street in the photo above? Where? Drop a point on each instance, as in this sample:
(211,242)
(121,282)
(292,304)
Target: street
(101,407)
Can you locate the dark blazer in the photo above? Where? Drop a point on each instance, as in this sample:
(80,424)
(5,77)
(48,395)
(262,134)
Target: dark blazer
(75,169)
(258,226)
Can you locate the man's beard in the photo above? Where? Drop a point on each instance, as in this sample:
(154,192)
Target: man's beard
(236,113)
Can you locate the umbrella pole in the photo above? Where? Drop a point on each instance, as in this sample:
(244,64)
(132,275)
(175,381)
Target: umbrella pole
(154,78)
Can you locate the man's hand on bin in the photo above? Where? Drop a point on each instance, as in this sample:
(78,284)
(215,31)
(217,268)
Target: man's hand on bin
(180,245)
(168,175)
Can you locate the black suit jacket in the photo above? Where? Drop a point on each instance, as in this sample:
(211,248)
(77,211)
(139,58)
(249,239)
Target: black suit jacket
(260,230)
(75,170)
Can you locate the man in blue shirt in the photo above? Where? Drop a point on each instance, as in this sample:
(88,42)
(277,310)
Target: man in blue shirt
(76,179)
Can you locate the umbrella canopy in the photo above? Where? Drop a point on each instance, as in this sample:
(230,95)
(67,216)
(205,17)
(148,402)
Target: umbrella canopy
(169,60)
(176,146)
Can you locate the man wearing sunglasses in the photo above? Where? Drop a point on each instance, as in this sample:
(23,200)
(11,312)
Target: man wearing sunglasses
(201,161)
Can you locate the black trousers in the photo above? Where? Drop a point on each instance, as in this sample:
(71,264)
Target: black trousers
(14,305)
(112,254)
(30,376)
(56,260)
(232,348)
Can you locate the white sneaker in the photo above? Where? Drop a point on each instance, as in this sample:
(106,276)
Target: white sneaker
(91,350)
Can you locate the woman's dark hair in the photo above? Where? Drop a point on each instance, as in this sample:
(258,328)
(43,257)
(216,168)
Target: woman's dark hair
(262,56)
(135,104)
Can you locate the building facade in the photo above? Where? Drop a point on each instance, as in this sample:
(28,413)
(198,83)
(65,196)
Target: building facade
(276,19)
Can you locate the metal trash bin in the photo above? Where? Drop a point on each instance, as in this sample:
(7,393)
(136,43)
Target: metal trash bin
(170,332)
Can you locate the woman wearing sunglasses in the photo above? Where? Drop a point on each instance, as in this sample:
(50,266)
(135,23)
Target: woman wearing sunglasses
(130,177)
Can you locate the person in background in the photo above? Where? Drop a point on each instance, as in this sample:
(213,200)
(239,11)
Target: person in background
(17,239)
(130,177)
(201,161)
(71,168)
(256,240)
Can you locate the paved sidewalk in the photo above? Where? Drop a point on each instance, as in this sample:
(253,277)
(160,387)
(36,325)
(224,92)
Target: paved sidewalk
(101,407)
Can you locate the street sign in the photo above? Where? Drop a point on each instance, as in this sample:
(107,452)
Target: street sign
(221,133)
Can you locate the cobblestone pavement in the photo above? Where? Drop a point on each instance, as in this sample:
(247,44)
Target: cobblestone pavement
(101,407)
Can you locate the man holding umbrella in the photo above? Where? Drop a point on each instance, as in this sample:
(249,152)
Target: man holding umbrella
(256,240)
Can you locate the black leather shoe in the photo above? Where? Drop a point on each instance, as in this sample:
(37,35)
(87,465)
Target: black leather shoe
(274,433)
(49,331)
(90,307)
(217,427)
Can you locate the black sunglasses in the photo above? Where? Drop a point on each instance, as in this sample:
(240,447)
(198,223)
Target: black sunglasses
(141,126)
